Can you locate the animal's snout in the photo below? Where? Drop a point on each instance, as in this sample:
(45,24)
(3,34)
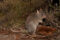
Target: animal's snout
(45,21)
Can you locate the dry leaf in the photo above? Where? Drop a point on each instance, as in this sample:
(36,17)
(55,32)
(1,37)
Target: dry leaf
(45,30)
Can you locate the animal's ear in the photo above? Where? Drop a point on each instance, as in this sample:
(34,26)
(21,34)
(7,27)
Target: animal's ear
(37,11)
(41,10)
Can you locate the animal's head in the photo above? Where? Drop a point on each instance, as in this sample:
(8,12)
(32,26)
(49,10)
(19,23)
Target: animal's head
(41,15)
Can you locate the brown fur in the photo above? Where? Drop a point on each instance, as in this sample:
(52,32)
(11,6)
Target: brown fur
(33,21)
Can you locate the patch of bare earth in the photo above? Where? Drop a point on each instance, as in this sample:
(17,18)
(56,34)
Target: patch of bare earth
(43,33)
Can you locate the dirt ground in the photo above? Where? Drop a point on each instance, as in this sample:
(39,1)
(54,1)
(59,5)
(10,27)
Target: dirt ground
(9,35)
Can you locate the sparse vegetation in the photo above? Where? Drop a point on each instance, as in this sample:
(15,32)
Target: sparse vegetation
(13,13)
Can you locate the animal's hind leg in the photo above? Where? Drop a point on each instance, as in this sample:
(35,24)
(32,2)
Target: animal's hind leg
(34,33)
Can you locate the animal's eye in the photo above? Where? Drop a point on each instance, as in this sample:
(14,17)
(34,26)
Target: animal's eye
(44,19)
